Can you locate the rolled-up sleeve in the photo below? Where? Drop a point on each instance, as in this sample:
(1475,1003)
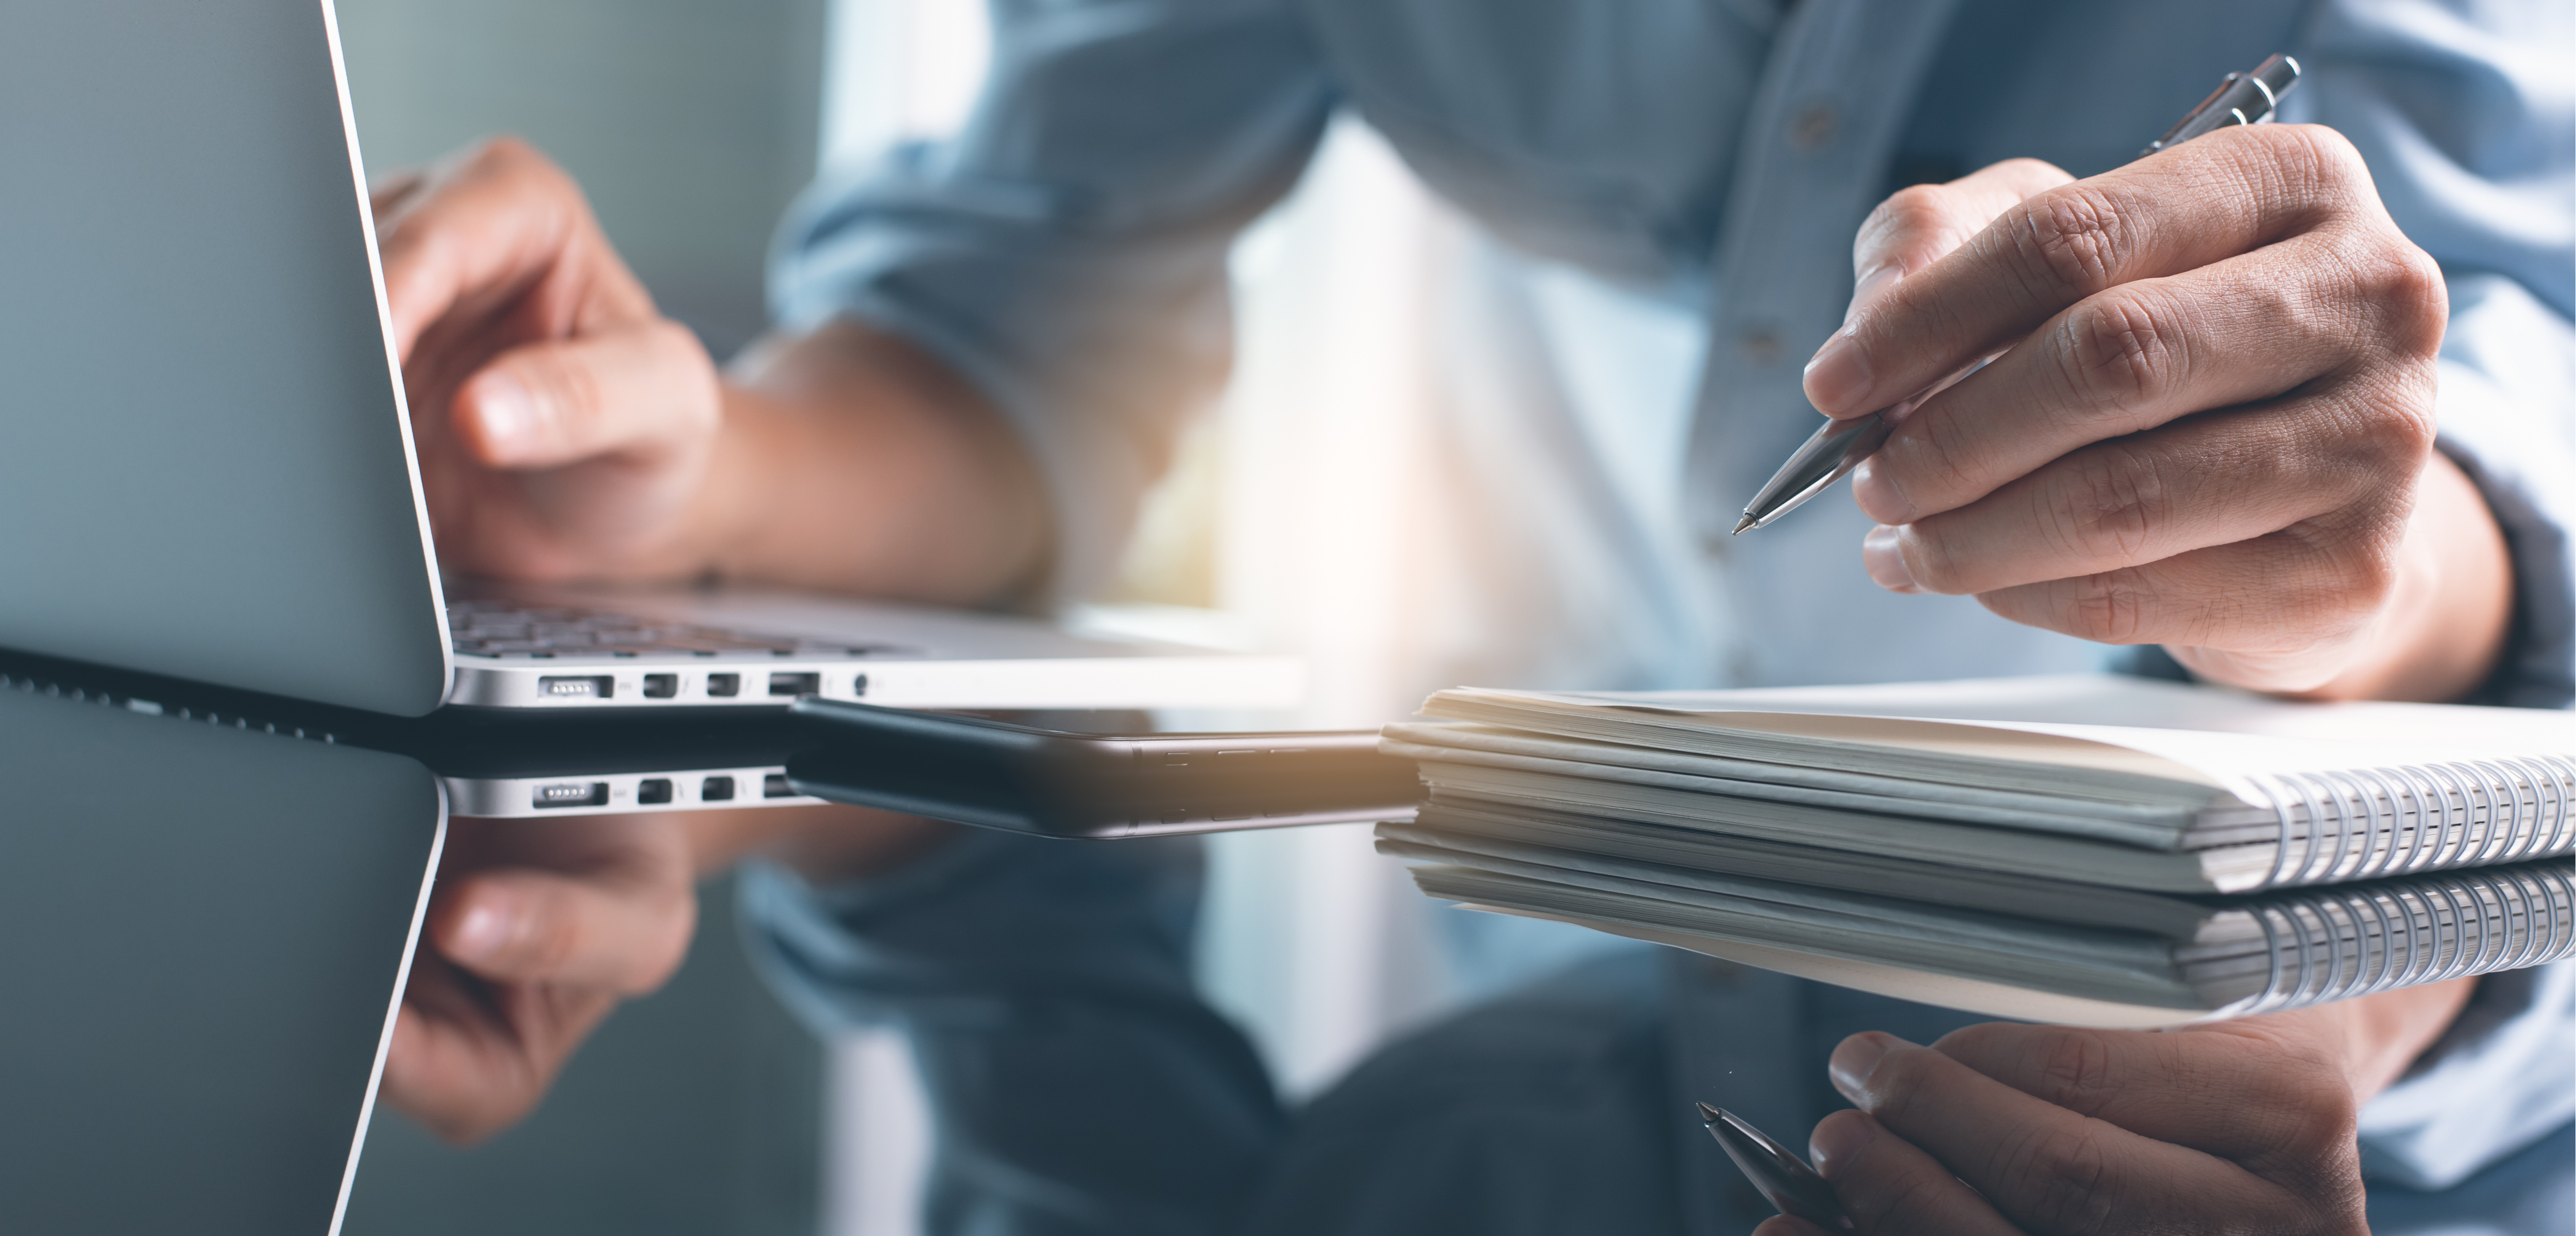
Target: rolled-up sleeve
(2467,116)
(1081,1086)
(1065,252)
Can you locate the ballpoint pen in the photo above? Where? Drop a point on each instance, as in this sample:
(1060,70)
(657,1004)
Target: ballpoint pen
(1784,1179)
(1840,446)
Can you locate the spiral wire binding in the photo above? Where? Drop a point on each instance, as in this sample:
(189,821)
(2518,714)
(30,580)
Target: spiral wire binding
(2334,944)
(2365,824)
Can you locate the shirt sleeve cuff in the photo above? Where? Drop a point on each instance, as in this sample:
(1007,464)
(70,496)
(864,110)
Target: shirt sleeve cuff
(2501,1078)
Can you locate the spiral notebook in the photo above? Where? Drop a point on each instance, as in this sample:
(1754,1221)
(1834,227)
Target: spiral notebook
(2113,957)
(2100,779)
(2093,849)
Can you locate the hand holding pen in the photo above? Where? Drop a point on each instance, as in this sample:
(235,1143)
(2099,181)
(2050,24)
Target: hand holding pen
(2016,1130)
(1840,446)
(2207,422)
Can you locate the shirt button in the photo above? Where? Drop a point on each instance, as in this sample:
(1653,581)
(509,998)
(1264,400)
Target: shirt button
(1814,126)
(1761,345)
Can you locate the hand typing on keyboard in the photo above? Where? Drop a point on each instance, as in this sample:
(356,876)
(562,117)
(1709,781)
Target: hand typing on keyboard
(568,431)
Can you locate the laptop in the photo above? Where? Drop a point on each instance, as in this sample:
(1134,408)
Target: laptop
(206,467)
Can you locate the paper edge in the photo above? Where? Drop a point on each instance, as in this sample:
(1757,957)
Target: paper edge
(1946,991)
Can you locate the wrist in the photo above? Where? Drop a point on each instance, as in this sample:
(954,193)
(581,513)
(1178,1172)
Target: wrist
(2443,630)
(2440,631)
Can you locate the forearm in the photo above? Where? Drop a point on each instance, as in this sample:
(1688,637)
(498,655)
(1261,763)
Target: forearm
(850,461)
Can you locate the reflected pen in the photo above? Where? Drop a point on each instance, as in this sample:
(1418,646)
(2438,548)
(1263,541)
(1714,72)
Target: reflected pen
(1784,1179)
(1839,447)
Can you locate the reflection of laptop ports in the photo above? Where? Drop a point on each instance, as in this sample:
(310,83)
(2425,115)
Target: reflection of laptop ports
(715,790)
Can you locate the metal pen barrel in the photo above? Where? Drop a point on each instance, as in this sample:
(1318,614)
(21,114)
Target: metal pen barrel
(2244,98)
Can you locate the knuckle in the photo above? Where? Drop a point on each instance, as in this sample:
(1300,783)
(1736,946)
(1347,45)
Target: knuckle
(2121,351)
(2075,1070)
(2112,500)
(2110,607)
(2067,242)
(2060,1178)
(2405,298)
(2328,160)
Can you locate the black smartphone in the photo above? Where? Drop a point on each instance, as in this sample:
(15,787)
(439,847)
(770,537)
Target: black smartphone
(1093,774)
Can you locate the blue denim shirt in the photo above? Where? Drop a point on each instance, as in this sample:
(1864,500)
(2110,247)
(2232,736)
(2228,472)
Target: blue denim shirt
(1066,252)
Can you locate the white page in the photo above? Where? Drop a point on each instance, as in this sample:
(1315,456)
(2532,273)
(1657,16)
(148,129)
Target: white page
(2111,722)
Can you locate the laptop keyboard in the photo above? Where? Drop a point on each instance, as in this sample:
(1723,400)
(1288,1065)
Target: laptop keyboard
(550,632)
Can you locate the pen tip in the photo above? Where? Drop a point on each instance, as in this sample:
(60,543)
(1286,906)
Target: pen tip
(1742,524)
(1710,1115)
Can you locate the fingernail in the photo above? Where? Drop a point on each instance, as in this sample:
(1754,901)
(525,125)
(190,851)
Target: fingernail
(1838,377)
(482,933)
(1870,285)
(1853,1062)
(1836,1140)
(1885,563)
(504,413)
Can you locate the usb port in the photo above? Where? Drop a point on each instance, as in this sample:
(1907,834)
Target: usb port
(585,688)
(661,686)
(572,794)
(715,790)
(653,791)
(724,686)
(775,786)
(795,684)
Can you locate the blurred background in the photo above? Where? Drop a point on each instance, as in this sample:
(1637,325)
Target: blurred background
(691,124)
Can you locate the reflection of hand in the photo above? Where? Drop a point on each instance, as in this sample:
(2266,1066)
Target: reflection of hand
(563,424)
(539,928)
(2209,425)
(2243,1126)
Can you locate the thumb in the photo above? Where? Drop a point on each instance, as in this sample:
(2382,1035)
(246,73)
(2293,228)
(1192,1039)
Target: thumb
(638,389)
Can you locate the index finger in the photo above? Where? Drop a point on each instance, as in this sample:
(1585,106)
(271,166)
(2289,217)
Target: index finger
(2202,202)
(483,232)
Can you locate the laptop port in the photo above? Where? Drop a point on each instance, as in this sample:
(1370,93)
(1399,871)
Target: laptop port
(661,686)
(715,790)
(570,688)
(859,686)
(795,684)
(653,791)
(724,686)
(572,794)
(775,786)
